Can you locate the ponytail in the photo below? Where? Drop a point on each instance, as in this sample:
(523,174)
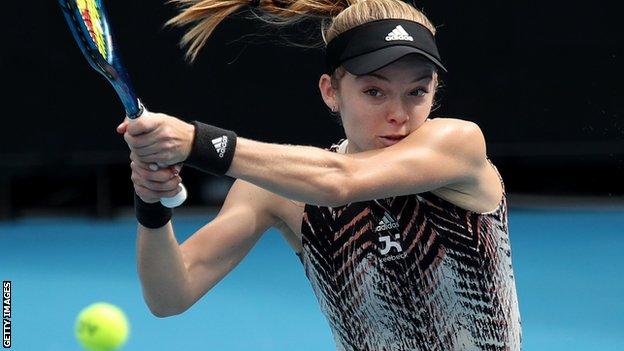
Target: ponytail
(207,14)
(337,15)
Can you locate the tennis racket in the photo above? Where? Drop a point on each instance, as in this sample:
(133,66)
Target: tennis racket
(88,24)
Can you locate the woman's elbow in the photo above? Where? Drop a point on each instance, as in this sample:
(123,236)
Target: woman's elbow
(333,188)
(341,189)
(166,312)
(163,311)
(336,194)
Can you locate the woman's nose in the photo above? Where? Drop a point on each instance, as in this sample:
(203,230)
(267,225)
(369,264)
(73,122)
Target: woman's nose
(398,114)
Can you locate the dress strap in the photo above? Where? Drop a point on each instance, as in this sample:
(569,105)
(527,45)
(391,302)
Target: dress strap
(339,147)
(497,173)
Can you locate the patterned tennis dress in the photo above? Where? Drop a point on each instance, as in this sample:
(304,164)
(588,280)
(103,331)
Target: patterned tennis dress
(412,272)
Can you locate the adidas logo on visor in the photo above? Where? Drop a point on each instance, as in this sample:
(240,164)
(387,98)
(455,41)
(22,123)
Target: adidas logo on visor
(399,33)
(220,144)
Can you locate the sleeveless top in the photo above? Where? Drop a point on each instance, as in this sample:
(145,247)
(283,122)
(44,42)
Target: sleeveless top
(412,272)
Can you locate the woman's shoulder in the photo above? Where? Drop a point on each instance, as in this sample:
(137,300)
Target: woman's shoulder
(465,139)
(460,137)
(452,125)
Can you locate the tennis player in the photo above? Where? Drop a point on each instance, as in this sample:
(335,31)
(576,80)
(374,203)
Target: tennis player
(401,227)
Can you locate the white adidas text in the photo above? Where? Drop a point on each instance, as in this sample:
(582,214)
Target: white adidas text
(386,226)
(399,33)
(220,144)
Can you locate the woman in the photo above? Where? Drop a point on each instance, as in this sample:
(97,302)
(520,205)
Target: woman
(401,227)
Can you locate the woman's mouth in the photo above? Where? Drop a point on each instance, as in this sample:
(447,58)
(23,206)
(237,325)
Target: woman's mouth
(388,140)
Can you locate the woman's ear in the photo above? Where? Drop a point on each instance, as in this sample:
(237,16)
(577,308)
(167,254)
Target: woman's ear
(328,92)
(436,81)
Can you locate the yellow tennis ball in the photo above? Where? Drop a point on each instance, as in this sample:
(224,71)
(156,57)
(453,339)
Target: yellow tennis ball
(102,327)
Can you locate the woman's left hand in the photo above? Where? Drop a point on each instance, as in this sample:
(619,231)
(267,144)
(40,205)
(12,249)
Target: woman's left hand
(158,138)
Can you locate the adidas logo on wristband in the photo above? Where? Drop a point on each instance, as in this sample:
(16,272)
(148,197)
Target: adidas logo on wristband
(220,144)
(399,33)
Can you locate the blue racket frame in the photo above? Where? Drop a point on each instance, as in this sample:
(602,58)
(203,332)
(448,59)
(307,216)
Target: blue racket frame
(110,67)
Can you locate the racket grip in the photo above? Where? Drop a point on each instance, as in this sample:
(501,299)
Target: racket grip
(179,198)
(175,201)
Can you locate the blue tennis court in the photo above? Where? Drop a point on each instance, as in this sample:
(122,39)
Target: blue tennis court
(568,269)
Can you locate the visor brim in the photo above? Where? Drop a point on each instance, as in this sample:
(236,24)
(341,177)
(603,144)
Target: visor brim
(373,61)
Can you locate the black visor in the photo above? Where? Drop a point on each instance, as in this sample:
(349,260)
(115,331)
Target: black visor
(374,45)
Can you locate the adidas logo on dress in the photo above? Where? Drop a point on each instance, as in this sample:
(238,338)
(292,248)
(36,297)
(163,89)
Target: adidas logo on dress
(386,223)
(399,33)
(220,144)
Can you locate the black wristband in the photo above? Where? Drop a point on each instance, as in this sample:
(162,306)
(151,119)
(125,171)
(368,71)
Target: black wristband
(213,149)
(151,216)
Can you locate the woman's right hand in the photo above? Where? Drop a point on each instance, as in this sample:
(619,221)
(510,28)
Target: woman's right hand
(152,183)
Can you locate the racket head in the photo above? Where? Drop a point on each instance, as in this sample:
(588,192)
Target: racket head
(89,25)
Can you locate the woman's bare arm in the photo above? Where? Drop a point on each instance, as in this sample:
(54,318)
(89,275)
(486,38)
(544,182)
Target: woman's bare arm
(442,152)
(175,276)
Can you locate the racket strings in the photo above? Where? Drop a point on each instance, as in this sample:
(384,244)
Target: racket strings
(90,12)
(89,42)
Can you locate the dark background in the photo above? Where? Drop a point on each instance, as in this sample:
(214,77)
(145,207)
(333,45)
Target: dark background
(541,79)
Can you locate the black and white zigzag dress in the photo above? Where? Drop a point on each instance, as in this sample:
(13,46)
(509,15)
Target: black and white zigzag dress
(412,272)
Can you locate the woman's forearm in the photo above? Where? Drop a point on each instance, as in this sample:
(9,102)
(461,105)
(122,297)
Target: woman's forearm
(302,173)
(163,275)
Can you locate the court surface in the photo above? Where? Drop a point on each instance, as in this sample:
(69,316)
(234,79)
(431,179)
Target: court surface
(568,266)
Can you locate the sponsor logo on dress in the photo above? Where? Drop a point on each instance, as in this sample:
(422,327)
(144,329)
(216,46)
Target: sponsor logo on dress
(388,223)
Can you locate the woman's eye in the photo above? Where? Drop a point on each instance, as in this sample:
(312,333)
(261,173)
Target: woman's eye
(419,92)
(373,92)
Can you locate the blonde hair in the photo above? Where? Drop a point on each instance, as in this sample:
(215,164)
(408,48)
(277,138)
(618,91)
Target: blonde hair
(337,16)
